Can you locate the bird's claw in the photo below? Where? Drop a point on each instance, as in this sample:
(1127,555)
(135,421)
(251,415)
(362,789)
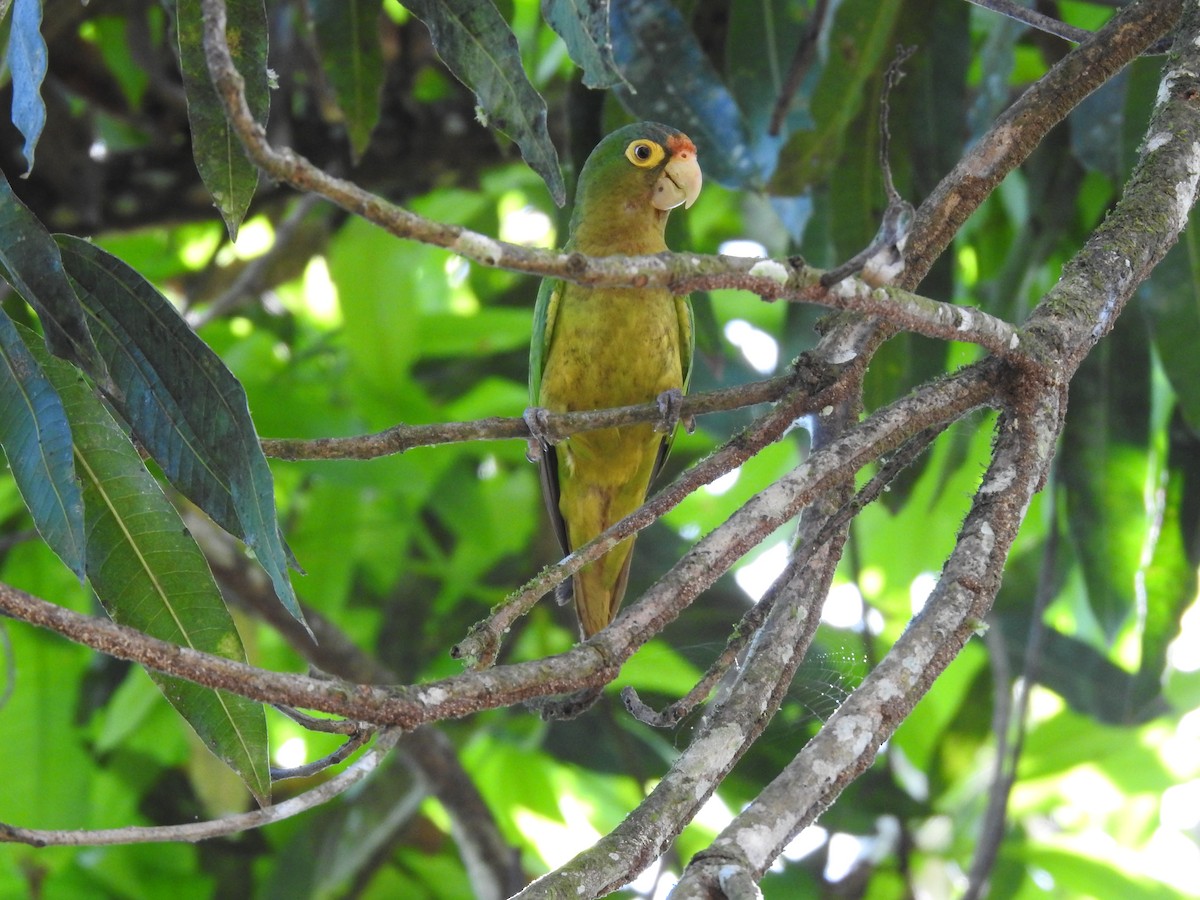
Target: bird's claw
(670,405)
(537,420)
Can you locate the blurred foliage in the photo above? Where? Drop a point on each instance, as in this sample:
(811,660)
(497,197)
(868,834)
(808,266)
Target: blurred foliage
(332,327)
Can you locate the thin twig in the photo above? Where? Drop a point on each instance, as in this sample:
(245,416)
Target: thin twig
(806,50)
(1010,722)
(199,831)
(252,278)
(400,438)
(882,260)
(307,770)
(1034,19)
(325,726)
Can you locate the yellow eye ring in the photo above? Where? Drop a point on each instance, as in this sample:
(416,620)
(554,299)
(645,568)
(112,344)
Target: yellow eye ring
(644,153)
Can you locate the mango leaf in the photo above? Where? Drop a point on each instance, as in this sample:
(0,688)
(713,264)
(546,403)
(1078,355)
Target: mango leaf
(1170,574)
(150,575)
(1170,300)
(36,438)
(480,49)
(347,33)
(672,81)
(1103,467)
(27,62)
(583,26)
(31,263)
(183,404)
(222,163)
(760,40)
(861,35)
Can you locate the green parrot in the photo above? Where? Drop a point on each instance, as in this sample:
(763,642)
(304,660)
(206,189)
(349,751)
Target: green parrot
(595,348)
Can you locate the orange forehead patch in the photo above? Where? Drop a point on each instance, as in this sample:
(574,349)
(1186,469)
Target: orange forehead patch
(680,143)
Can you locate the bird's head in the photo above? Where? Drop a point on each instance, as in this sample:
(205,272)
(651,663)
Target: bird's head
(631,181)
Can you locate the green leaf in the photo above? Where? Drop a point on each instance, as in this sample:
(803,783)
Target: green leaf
(222,163)
(1170,299)
(183,404)
(1075,874)
(150,575)
(861,35)
(583,26)
(27,63)
(36,438)
(1090,682)
(481,50)
(761,39)
(1102,469)
(30,262)
(347,33)
(671,80)
(1170,576)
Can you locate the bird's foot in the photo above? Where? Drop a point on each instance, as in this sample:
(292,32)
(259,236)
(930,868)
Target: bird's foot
(537,419)
(670,406)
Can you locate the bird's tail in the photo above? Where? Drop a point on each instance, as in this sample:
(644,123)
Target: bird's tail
(599,588)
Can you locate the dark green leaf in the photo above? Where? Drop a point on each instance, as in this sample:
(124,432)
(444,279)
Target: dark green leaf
(1170,298)
(150,575)
(37,441)
(31,263)
(223,166)
(1103,467)
(1079,673)
(860,37)
(583,26)
(479,47)
(672,81)
(27,62)
(762,38)
(1096,127)
(1170,575)
(347,33)
(343,840)
(183,404)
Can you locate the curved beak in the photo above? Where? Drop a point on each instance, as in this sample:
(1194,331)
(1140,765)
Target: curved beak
(679,182)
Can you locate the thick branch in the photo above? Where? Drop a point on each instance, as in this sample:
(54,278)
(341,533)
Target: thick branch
(682,273)
(1069,321)
(847,743)
(587,665)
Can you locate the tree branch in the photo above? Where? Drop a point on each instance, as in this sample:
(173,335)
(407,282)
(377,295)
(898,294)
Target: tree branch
(199,831)
(681,273)
(846,745)
(1069,320)
(400,438)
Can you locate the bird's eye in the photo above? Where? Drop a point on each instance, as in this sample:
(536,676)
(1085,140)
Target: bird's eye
(644,153)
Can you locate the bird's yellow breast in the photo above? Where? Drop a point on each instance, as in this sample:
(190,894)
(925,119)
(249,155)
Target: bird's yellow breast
(611,347)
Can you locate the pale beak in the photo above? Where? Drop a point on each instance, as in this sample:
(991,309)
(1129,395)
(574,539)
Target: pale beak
(679,183)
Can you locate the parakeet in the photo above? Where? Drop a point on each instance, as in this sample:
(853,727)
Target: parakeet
(595,348)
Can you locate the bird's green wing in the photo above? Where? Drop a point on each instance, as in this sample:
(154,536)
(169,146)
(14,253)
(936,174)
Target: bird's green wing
(687,349)
(544,314)
(687,336)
